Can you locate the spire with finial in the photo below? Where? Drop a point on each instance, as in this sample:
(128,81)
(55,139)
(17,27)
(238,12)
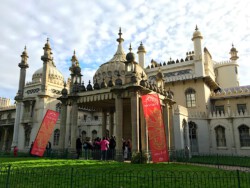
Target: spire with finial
(196,28)
(119,55)
(234,53)
(24,59)
(130,48)
(120,39)
(197,33)
(47,55)
(74,58)
(23,65)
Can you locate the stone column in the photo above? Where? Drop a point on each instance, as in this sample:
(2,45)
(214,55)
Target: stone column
(104,123)
(135,121)
(119,126)
(5,137)
(63,126)
(16,125)
(74,118)
(166,122)
(111,122)
(234,147)
(144,131)
(171,129)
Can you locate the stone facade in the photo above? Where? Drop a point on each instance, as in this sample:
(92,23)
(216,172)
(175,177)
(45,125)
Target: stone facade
(204,106)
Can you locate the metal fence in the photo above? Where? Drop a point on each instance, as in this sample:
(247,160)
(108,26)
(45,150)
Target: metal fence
(74,177)
(214,159)
(220,161)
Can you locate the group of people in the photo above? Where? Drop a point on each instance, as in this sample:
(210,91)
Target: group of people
(103,149)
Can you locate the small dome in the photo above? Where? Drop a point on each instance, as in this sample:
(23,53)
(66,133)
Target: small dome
(141,48)
(233,49)
(113,66)
(89,87)
(64,92)
(197,34)
(130,57)
(55,76)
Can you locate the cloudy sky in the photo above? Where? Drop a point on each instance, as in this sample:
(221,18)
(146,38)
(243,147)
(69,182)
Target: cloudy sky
(90,27)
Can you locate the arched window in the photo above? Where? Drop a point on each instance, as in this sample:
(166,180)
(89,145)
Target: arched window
(56,137)
(244,136)
(190,97)
(94,134)
(220,136)
(84,134)
(193,136)
(58,109)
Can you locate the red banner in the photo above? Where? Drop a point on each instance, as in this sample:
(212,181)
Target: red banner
(156,130)
(44,132)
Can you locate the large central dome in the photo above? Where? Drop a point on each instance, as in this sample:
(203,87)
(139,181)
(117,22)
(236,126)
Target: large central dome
(113,66)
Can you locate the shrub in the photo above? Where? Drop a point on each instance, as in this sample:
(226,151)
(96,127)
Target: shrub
(139,158)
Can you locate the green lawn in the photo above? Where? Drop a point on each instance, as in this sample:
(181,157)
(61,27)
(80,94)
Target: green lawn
(38,172)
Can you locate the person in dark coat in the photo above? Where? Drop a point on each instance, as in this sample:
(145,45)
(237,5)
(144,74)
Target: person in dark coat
(78,147)
(48,149)
(112,145)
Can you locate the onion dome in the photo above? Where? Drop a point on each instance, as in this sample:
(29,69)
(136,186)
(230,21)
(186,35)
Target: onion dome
(130,57)
(103,84)
(82,87)
(113,66)
(55,76)
(96,85)
(64,90)
(75,68)
(111,83)
(24,59)
(142,82)
(118,81)
(234,53)
(233,49)
(197,34)
(141,48)
(89,87)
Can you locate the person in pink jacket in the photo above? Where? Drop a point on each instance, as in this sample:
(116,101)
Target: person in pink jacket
(104,147)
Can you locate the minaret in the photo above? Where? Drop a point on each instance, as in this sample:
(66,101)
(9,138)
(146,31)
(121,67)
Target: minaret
(227,73)
(46,58)
(233,52)
(75,71)
(141,55)
(23,66)
(198,56)
(197,40)
(19,97)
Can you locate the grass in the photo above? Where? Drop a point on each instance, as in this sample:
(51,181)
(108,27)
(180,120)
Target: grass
(39,172)
(222,160)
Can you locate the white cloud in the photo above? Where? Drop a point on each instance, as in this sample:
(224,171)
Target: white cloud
(91,27)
